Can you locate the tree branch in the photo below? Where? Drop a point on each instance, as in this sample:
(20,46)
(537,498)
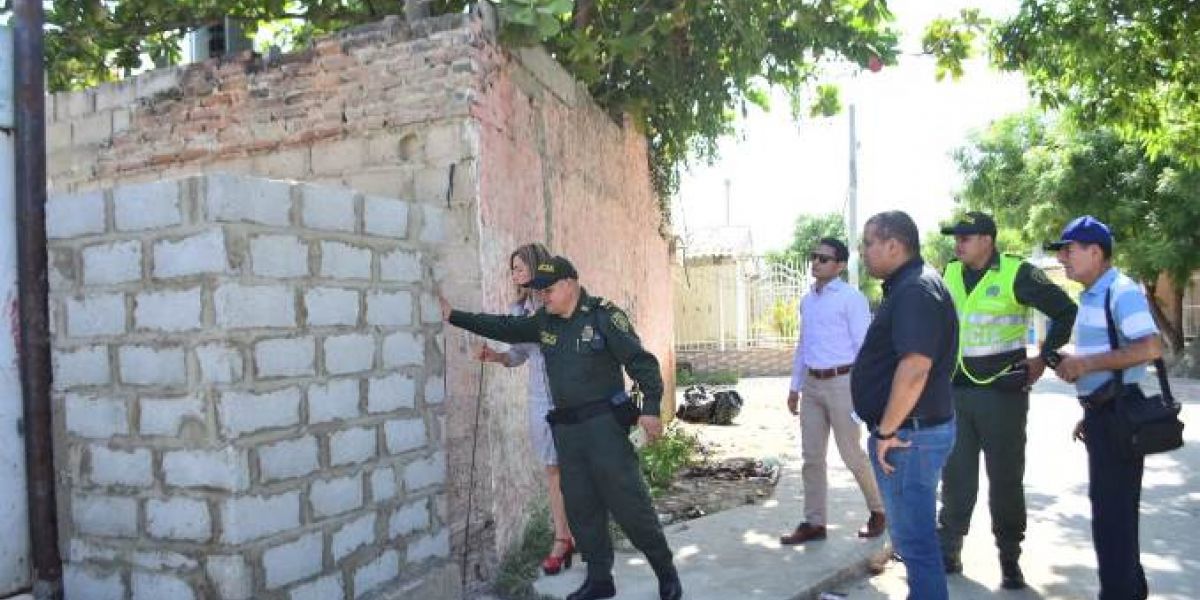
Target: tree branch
(583,13)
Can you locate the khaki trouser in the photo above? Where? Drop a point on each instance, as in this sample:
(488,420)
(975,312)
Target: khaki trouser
(826,405)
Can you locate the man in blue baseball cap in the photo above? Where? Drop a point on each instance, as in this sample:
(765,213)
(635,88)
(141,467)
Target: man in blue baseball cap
(1114,476)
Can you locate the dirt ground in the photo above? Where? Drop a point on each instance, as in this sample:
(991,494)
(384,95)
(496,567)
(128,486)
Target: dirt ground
(740,461)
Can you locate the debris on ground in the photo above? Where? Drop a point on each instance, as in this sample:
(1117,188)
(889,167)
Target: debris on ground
(708,405)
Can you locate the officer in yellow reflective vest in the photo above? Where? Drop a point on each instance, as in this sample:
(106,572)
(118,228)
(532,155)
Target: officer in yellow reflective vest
(993,293)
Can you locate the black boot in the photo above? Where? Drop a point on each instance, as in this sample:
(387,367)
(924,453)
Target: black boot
(953,563)
(1011,577)
(669,586)
(594,589)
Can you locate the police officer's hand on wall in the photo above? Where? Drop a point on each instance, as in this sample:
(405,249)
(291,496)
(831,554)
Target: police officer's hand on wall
(445,305)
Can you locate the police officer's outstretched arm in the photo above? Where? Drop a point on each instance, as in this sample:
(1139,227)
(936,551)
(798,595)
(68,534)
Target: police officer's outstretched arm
(640,364)
(497,327)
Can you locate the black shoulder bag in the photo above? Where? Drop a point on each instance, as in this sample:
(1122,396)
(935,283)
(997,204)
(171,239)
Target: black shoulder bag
(1145,424)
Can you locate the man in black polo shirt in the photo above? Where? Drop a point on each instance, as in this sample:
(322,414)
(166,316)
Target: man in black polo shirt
(901,389)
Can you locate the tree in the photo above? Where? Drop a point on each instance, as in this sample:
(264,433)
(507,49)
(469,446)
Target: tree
(806,232)
(1035,173)
(681,69)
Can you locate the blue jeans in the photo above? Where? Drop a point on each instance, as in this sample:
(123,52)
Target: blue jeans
(910,495)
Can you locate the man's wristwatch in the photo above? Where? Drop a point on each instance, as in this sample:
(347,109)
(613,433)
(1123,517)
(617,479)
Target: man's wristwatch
(880,435)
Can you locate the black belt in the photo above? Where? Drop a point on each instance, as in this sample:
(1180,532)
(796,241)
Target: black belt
(925,422)
(578,414)
(830,373)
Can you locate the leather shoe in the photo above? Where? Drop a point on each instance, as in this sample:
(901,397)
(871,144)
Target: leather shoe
(1011,577)
(804,532)
(670,588)
(953,563)
(876,525)
(594,590)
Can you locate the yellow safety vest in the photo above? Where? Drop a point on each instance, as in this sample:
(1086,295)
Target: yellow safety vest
(991,321)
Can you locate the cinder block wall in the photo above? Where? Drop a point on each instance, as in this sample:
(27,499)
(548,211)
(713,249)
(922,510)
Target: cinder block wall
(250,391)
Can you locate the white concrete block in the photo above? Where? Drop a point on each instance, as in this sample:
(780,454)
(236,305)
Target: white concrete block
(385,216)
(85,551)
(331,306)
(249,518)
(164,416)
(178,519)
(335,496)
(403,348)
(219,363)
(424,473)
(81,583)
(403,435)
(161,560)
(376,573)
(292,561)
(117,262)
(168,310)
(113,516)
(286,357)
(243,306)
(343,261)
(400,266)
(199,254)
(96,314)
(408,519)
(151,205)
(244,412)
(390,393)
(81,367)
(352,446)
(434,224)
(229,576)
(160,586)
(279,256)
(289,458)
(326,588)
(436,545)
(75,215)
(383,484)
(145,365)
(120,467)
(431,311)
(352,536)
(389,309)
(337,399)
(92,417)
(435,390)
(327,208)
(350,353)
(226,469)
(236,198)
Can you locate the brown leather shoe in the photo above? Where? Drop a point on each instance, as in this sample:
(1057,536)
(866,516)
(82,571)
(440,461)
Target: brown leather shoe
(804,532)
(876,525)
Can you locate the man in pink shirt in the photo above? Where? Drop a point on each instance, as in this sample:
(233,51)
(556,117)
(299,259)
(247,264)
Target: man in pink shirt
(833,322)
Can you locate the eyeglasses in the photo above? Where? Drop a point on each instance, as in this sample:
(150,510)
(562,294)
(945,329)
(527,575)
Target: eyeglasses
(821,258)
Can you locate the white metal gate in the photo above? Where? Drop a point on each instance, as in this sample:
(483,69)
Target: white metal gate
(748,302)
(14,514)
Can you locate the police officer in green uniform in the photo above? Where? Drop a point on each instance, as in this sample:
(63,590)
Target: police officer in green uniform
(992,293)
(586,341)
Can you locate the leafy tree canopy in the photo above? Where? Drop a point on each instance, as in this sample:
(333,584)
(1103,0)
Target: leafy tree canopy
(809,229)
(681,69)
(1036,173)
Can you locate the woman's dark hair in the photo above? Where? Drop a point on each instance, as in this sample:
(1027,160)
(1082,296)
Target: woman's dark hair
(532,255)
(840,251)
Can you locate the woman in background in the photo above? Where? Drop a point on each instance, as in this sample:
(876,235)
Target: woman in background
(521,264)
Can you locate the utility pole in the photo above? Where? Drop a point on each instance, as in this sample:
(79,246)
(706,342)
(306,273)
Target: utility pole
(728,201)
(852,204)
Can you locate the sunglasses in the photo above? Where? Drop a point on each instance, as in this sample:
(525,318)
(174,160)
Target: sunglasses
(821,258)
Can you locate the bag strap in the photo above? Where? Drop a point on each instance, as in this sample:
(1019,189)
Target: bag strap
(1160,368)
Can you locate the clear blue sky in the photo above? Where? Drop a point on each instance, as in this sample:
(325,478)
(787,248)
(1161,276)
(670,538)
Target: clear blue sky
(907,123)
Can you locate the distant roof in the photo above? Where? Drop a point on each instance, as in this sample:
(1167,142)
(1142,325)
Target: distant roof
(719,241)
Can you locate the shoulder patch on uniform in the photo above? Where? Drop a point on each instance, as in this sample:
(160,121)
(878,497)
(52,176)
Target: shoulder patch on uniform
(549,339)
(620,320)
(1039,276)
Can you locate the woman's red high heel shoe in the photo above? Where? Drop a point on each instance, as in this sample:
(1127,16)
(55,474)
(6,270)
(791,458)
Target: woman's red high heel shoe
(552,565)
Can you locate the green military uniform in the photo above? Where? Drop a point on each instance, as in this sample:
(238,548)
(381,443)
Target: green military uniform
(991,398)
(584,355)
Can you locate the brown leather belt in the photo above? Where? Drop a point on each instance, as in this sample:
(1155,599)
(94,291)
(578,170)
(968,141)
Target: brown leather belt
(831,372)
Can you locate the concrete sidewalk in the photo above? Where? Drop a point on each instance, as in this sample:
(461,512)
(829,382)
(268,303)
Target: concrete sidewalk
(736,553)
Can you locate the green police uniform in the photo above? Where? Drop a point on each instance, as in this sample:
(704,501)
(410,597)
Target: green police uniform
(991,400)
(584,355)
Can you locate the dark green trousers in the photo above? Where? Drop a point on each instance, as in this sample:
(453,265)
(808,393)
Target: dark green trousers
(600,476)
(991,422)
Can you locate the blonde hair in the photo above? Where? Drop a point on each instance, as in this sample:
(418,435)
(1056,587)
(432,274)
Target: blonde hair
(532,255)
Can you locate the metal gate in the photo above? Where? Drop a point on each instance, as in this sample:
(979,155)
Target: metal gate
(737,303)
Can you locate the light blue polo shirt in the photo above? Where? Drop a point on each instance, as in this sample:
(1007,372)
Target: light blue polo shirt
(1131,313)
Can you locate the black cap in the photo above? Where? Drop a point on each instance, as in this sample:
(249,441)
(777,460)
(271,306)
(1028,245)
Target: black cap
(974,222)
(548,273)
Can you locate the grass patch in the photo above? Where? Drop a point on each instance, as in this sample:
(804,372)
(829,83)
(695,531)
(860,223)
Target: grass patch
(662,460)
(521,566)
(684,378)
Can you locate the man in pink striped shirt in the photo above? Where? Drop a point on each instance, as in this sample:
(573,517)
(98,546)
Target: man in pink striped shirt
(833,322)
